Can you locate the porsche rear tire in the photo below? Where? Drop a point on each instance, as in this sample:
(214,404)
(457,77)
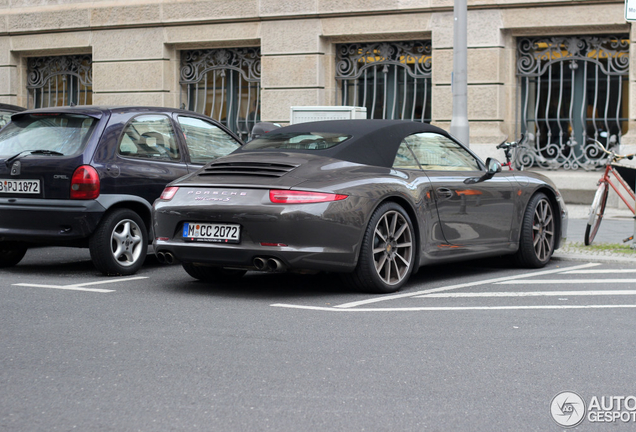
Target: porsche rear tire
(206,273)
(387,253)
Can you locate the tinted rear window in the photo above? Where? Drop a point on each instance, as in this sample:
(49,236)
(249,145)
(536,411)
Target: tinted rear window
(63,133)
(296,141)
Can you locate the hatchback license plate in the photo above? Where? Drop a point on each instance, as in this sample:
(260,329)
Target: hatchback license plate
(220,233)
(20,186)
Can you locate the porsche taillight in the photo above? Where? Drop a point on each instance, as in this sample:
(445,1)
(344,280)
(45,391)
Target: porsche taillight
(85,183)
(302,197)
(168,193)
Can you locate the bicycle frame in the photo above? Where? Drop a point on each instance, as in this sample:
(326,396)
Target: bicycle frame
(609,168)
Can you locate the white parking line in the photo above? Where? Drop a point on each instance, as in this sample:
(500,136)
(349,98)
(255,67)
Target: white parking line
(464,285)
(531,294)
(80,286)
(453,308)
(565,281)
(600,271)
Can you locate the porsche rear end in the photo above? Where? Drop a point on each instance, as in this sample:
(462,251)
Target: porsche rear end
(255,214)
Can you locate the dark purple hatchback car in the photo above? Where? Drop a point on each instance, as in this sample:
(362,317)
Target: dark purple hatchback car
(87,177)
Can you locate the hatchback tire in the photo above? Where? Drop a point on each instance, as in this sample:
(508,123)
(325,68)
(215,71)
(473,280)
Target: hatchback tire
(120,243)
(11,253)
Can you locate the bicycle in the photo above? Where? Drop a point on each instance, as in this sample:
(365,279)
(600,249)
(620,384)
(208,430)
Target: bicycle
(507,148)
(621,174)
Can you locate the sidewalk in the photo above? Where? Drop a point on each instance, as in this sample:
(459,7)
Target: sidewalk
(616,226)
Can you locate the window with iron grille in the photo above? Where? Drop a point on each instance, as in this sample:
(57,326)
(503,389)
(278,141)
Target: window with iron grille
(391,79)
(224,84)
(60,81)
(572,90)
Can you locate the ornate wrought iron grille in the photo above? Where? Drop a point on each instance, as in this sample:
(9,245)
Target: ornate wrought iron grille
(391,79)
(224,84)
(571,89)
(60,80)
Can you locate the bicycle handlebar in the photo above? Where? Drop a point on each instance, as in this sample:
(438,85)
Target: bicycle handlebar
(615,156)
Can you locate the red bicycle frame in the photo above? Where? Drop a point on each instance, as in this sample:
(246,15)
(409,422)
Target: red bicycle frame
(607,179)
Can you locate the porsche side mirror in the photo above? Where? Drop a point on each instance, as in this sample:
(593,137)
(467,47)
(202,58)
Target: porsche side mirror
(493,166)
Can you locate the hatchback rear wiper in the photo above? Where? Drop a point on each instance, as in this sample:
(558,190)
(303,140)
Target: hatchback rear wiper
(26,152)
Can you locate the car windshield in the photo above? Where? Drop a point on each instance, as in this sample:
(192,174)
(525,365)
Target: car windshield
(296,141)
(61,133)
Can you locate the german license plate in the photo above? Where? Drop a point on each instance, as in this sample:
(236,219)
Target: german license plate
(20,186)
(218,233)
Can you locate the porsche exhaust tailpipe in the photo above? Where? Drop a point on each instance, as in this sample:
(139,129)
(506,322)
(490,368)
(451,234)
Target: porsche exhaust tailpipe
(275,265)
(169,258)
(165,257)
(260,264)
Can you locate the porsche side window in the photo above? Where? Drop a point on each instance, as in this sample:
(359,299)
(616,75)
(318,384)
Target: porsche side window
(149,137)
(404,158)
(205,141)
(437,152)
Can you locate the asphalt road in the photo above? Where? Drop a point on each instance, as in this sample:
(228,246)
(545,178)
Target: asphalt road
(458,349)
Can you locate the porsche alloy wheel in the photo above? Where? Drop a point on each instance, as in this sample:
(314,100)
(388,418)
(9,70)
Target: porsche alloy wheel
(538,229)
(387,252)
(119,245)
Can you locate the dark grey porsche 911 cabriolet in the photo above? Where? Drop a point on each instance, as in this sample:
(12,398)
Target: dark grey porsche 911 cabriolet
(371,199)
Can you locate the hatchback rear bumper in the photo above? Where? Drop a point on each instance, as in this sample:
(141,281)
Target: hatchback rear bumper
(48,221)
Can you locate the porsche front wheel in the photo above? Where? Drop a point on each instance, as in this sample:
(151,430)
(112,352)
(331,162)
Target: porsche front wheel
(538,229)
(387,252)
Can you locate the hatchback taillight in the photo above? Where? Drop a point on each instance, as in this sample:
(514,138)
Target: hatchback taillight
(85,183)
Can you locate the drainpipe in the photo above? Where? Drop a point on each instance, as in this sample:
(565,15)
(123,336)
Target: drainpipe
(459,122)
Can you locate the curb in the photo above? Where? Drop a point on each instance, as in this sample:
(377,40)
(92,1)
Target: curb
(593,258)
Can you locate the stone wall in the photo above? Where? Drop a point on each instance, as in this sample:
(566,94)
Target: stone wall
(136,46)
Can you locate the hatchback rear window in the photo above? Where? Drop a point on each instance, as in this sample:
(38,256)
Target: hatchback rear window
(62,133)
(296,141)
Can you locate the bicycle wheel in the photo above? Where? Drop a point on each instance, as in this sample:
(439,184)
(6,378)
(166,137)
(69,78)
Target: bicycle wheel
(596,213)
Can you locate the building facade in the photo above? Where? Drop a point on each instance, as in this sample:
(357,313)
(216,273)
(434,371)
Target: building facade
(559,71)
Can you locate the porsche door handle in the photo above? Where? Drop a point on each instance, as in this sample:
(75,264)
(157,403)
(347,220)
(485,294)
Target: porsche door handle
(444,193)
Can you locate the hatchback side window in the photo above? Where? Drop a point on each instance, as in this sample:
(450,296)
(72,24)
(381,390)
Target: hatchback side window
(150,137)
(205,141)
(437,152)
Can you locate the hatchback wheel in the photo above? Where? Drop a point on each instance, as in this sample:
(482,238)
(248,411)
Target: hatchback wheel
(11,253)
(120,243)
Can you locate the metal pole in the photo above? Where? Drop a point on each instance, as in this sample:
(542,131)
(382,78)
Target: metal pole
(459,122)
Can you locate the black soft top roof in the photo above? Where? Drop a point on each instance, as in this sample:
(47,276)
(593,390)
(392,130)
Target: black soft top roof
(372,142)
